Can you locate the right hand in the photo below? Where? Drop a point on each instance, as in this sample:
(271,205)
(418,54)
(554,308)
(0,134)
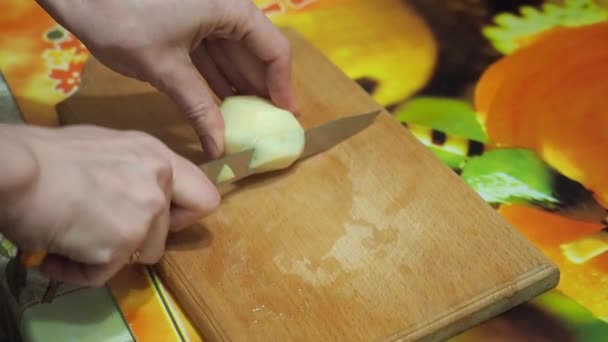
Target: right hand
(100,195)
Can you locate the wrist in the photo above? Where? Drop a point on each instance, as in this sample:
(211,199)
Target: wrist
(19,170)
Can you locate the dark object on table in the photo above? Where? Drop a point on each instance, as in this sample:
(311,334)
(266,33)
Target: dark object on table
(464,53)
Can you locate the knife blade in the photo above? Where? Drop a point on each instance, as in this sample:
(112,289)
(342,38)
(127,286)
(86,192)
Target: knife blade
(325,136)
(317,139)
(237,163)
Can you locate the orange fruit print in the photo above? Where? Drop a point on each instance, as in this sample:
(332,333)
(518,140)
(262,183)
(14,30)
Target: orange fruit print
(550,96)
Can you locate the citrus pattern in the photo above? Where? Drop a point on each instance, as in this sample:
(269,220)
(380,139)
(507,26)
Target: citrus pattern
(512,32)
(549,97)
(554,105)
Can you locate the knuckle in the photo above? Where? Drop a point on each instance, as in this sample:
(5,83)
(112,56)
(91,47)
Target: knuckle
(161,78)
(132,240)
(104,256)
(162,169)
(159,201)
(199,111)
(248,9)
(133,235)
(152,203)
(154,155)
(162,73)
(208,204)
(237,12)
(157,256)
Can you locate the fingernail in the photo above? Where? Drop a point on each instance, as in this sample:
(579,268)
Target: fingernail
(209,146)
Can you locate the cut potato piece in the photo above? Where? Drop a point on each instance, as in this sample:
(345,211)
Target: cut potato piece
(253,122)
(225,174)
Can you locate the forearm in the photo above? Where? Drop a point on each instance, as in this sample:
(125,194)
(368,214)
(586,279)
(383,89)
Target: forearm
(18,170)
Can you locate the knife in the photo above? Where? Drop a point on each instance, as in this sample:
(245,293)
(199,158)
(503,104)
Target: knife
(317,140)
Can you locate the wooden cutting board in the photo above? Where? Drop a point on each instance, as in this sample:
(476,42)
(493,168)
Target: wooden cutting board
(374,239)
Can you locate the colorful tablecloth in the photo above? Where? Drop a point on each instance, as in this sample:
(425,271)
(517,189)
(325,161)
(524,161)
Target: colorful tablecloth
(511,95)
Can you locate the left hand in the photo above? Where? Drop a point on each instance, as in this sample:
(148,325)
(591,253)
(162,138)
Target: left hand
(170,44)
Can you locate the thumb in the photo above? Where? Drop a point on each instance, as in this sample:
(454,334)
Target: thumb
(185,86)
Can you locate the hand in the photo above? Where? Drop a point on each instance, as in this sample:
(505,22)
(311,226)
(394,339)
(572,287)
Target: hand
(168,43)
(98,196)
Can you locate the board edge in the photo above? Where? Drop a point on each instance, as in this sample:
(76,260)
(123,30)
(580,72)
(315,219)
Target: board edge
(484,307)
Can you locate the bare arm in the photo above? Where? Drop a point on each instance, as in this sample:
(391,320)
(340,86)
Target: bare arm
(91,197)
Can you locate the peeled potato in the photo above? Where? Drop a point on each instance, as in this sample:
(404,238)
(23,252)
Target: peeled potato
(253,122)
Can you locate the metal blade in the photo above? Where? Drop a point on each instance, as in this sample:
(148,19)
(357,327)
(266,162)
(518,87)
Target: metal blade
(318,139)
(323,137)
(238,164)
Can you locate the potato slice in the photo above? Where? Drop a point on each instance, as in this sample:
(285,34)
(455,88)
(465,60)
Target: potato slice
(225,174)
(253,122)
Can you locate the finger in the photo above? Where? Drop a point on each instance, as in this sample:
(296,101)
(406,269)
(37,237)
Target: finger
(179,79)
(247,64)
(238,81)
(272,48)
(194,196)
(183,218)
(211,72)
(153,247)
(65,270)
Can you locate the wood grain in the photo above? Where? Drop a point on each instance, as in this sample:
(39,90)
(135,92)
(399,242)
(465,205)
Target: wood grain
(374,239)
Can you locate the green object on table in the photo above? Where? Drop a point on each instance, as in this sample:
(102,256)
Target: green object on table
(7,248)
(509,31)
(84,315)
(449,115)
(511,176)
(453,117)
(583,324)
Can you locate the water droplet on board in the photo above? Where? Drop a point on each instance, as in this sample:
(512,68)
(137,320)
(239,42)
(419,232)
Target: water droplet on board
(258,308)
